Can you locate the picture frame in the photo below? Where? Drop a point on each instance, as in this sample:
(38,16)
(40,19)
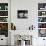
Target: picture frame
(21,14)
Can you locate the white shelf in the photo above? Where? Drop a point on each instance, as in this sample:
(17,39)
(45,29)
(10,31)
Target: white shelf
(3,16)
(41,22)
(3,22)
(3,10)
(41,10)
(42,16)
(41,28)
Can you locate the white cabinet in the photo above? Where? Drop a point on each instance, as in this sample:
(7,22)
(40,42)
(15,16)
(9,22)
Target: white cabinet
(3,40)
(41,41)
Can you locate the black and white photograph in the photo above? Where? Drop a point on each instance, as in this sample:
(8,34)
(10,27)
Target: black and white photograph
(22,14)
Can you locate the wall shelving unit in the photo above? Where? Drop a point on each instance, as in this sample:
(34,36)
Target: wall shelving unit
(4,19)
(42,19)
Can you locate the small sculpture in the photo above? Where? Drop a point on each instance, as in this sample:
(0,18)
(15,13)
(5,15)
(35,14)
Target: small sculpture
(31,27)
(13,27)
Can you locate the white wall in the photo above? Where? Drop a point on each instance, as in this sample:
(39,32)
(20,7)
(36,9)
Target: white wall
(23,24)
(31,6)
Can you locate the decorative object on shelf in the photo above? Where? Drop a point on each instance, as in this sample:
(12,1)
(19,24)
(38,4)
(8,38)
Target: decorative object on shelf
(4,29)
(4,32)
(13,27)
(4,26)
(41,6)
(6,7)
(31,27)
(41,13)
(40,25)
(3,6)
(42,32)
(41,19)
(22,14)
(3,13)
(3,19)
